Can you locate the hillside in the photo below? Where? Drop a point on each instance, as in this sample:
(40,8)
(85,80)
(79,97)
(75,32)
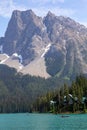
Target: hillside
(19,92)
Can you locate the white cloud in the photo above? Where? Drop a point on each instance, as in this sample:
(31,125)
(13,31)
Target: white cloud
(7,6)
(57,11)
(42,2)
(56,1)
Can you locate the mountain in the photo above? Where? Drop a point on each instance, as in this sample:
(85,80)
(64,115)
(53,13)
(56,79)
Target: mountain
(49,46)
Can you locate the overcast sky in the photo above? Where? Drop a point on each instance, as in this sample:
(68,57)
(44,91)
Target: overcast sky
(76,9)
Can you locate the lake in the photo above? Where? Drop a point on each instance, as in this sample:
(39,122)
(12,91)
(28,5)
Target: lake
(43,122)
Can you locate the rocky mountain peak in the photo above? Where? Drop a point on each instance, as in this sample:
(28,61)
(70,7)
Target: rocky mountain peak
(19,21)
(16,13)
(50,14)
(59,42)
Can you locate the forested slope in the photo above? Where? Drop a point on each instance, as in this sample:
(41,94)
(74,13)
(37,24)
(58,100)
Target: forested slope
(18,91)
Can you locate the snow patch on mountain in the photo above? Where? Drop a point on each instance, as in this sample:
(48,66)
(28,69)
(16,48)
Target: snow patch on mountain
(6,55)
(15,54)
(46,50)
(5,59)
(19,57)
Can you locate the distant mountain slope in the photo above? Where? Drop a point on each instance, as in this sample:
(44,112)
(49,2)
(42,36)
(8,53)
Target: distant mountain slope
(59,43)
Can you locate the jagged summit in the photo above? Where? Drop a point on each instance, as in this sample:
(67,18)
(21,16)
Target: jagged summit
(50,14)
(26,12)
(56,44)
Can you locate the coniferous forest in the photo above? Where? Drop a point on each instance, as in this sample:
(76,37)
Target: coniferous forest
(25,93)
(18,92)
(71,99)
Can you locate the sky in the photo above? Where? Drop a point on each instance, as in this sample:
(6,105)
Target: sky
(75,9)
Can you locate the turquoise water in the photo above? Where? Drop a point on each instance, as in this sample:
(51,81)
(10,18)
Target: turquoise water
(42,122)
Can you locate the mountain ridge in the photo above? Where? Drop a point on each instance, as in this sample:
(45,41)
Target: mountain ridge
(58,43)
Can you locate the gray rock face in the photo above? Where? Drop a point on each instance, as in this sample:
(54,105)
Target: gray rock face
(67,56)
(26,35)
(60,40)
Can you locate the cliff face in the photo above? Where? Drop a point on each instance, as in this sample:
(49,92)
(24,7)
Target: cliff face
(59,41)
(67,55)
(25,35)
